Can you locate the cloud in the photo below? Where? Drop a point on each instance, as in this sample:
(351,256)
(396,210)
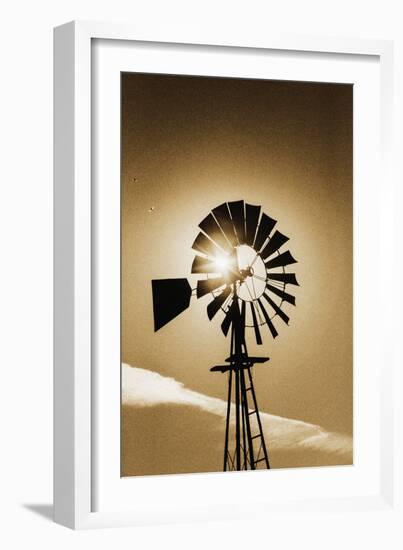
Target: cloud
(144,388)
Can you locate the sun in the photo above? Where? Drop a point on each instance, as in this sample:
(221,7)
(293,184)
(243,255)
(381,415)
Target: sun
(221,263)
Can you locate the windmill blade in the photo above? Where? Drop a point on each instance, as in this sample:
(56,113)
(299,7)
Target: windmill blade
(238,219)
(213,230)
(222,215)
(275,242)
(281,260)
(208,285)
(265,226)
(170,298)
(218,301)
(252,214)
(233,315)
(286,278)
(242,322)
(206,245)
(255,324)
(277,309)
(203,265)
(233,265)
(238,324)
(228,318)
(283,295)
(272,328)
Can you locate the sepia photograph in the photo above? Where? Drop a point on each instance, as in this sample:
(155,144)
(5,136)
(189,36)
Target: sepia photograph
(236,274)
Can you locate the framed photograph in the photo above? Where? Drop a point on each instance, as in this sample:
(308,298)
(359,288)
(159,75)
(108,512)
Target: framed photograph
(221,212)
(259,150)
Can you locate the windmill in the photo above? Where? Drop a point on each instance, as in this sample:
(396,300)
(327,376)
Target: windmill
(238,253)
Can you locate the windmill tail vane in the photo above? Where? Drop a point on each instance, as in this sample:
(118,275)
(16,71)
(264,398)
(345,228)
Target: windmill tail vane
(244,270)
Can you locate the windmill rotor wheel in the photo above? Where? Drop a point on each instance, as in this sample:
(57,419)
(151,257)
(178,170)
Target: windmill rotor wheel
(239,252)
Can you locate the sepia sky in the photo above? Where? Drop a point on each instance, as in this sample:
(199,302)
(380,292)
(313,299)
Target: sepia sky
(189,144)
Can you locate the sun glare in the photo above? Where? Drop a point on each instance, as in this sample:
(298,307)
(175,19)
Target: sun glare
(222,264)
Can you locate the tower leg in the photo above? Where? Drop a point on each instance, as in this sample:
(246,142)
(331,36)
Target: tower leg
(247,429)
(237,422)
(259,423)
(227,421)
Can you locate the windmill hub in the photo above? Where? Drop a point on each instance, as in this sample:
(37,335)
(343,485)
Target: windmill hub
(247,272)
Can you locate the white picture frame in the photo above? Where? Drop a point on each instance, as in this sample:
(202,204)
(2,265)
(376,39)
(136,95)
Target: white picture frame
(79,427)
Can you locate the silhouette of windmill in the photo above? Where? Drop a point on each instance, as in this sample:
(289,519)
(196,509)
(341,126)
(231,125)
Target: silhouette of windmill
(245,272)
